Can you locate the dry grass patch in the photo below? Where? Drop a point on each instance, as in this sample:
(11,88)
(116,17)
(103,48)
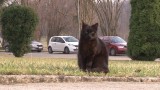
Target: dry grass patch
(49,66)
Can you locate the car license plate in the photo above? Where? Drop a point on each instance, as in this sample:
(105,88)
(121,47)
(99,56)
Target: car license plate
(39,47)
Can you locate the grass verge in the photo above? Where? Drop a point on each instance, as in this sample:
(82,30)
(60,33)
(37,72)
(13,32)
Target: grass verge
(48,66)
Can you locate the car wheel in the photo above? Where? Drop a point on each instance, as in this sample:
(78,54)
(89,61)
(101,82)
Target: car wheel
(66,50)
(39,50)
(112,52)
(50,50)
(7,49)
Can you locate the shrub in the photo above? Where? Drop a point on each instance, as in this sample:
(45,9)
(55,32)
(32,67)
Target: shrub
(18,25)
(144,36)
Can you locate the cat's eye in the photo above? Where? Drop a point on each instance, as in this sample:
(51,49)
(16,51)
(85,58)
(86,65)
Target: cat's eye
(87,32)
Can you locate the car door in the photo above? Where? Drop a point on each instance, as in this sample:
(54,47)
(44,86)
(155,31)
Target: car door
(53,43)
(60,44)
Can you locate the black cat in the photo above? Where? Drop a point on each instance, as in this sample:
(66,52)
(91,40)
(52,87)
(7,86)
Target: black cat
(92,54)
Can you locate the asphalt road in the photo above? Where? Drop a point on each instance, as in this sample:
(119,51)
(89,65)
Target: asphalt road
(60,55)
(84,86)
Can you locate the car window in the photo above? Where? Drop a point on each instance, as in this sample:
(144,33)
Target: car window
(70,39)
(117,40)
(53,39)
(59,39)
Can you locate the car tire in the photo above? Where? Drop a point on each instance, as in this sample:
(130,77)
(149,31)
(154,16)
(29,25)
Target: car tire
(66,50)
(39,50)
(112,52)
(6,49)
(50,50)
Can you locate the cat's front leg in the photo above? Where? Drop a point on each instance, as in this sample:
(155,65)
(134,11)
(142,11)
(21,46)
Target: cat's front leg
(81,62)
(89,64)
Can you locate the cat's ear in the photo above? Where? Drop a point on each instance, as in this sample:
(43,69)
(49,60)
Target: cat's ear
(84,25)
(95,26)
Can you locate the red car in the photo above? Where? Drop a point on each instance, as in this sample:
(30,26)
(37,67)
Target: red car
(115,44)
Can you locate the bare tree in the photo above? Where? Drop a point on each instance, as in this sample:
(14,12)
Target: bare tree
(123,29)
(108,12)
(55,17)
(58,17)
(40,6)
(86,11)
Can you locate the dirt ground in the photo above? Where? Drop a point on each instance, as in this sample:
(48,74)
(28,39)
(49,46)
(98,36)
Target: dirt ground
(84,86)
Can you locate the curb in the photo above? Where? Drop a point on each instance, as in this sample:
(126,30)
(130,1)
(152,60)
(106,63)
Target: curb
(15,79)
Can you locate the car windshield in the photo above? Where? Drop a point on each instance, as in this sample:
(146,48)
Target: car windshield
(70,39)
(118,40)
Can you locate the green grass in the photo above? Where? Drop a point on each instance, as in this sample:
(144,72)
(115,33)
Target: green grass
(39,66)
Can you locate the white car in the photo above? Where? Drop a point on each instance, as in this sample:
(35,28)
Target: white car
(65,44)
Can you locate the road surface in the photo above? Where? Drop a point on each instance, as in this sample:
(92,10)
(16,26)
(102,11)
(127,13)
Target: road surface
(84,86)
(60,55)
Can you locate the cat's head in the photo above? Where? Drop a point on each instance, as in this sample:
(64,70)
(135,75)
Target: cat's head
(89,32)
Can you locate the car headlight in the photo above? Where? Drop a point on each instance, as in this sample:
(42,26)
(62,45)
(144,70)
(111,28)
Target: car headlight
(70,44)
(120,46)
